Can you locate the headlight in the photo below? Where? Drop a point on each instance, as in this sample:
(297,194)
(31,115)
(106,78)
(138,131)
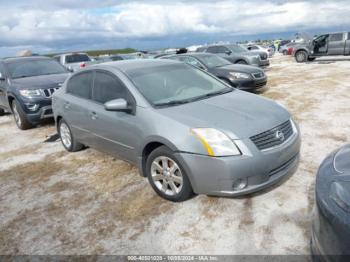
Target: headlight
(236,75)
(215,142)
(30,93)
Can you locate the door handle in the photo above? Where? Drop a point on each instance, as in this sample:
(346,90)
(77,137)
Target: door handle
(93,115)
(66,105)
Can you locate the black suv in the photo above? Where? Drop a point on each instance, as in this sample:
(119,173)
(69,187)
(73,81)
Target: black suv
(26,87)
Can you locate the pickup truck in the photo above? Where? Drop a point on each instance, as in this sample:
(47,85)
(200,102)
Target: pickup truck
(74,61)
(332,44)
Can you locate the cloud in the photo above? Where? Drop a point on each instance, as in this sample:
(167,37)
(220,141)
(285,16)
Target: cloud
(64,24)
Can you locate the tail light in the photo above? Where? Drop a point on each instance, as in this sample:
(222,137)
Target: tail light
(82,65)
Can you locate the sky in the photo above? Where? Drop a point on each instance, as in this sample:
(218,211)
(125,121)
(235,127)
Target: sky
(52,26)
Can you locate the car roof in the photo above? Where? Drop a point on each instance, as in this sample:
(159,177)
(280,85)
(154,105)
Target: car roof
(24,58)
(126,65)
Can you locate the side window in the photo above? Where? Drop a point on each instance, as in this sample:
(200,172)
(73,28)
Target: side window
(212,49)
(349,36)
(107,87)
(336,37)
(80,85)
(222,49)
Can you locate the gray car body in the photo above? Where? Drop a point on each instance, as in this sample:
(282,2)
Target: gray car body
(250,57)
(131,136)
(333,47)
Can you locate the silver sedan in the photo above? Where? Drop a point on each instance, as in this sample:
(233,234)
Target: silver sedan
(187,131)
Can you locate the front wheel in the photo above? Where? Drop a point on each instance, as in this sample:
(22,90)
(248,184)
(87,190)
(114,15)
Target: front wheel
(166,175)
(20,116)
(301,56)
(67,139)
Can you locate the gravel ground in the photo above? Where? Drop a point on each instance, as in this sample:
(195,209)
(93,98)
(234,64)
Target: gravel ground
(54,202)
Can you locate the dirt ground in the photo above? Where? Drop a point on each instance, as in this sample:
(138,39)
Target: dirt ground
(54,202)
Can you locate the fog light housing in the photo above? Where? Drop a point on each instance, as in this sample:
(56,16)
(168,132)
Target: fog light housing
(32,107)
(240,184)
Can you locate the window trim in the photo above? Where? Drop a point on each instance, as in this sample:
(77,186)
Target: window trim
(130,99)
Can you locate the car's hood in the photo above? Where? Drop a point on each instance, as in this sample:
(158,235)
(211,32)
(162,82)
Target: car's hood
(239,68)
(43,81)
(239,114)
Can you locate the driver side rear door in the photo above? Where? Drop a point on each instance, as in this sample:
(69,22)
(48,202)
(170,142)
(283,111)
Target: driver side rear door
(336,44)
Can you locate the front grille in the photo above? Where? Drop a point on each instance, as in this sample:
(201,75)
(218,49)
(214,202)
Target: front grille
(273,137)
(49,92)
(260,84)
(258,75)
(263,56)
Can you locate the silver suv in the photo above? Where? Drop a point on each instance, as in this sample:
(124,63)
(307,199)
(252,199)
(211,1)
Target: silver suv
(187,131)
(237,54)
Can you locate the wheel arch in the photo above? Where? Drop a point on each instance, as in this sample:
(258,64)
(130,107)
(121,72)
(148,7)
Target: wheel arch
(147,147)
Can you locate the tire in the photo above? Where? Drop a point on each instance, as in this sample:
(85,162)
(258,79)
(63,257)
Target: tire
(241,62)
(301,56)
(20,116)
(310,59)
(67,139)
(171,185)
(2,112)
(285,52)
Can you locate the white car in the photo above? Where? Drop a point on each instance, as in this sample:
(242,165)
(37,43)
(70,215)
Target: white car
(74,61)
(268,50)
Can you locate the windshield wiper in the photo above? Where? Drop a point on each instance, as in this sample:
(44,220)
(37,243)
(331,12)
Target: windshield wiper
(174,102)
(180,102)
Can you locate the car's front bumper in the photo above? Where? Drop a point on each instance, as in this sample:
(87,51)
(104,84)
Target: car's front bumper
(260,169)
(43,111)
(252,84)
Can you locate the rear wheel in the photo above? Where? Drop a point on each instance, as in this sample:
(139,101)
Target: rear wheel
(301,56)
(19,116)
(166,175)
(67,139)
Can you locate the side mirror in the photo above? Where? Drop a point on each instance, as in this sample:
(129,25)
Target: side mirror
(119,104)
(228,52)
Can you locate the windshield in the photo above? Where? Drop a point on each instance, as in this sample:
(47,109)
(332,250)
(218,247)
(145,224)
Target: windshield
(237,49)
(213,61)
(77,58)
(30,68)
(175,84)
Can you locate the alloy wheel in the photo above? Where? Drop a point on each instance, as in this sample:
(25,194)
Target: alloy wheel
(166,175)
(65,135)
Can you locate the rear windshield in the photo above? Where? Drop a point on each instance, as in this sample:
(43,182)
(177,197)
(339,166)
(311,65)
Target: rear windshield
(21,69)
(77,58)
